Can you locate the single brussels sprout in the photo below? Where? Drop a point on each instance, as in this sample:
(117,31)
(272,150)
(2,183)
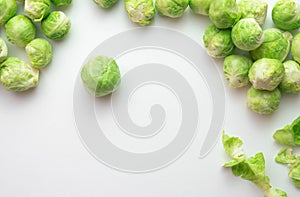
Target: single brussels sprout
(291,79)
(37,9)
(200,6)
(8,10)
(262,101)
(39,52)
(275,46)
(105,3)
(266,74)
(224,13)
(56,26)
(295,49)
(286,14)
(256,9)
(100,76)
(140,11)
(218,41)
(20,30)
(236,68)
(247,34)
(171,8)
(16,75)
(3,50)
(61,2)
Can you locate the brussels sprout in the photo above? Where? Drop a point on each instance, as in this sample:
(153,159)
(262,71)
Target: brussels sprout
(61,2)
(291,79)
(105,3)
(262,101)
(256,9)
(266,74)
(295,49)
(247,35)
(56,26)
(16,75)
(37,9)
(3,50)
(275,46)
(39,52)
(218,41)
(140,11)
(236,68)
(171,8)
(20,30)
(100,76)
(200,6)
(224,13)
(286,14)
(8,10)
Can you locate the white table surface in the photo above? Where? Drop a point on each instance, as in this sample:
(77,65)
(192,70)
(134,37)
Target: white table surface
(42,154)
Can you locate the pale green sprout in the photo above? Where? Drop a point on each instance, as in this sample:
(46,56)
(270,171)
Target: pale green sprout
(8,10)
(218,42)
(286,14)
(266,74)
(105,3)
(224,13)
(37,9)
(251,169)
(61,2)
(39,52)
(262,101)
(275,46)
(16,75)
(140,11)
(291,79)
(256,9)
(200,6)
(289,135)
(236,68)
(3,51)
(20,30)
(295,49)
(247,34)
(171,8)
(100,76)
(56,26)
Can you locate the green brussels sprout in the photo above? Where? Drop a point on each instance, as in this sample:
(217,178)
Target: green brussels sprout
(266,74)
(8,10)
(275,46)
(171,8)
(262,101)
(20,30)
(3,51)
(56,26)
(224,13)
(218,41)
(61,2)
(286,14)
(295,49)
(16,75)
(39,52)
(200,6)
(236,68)
(140,11)
(105,3)
(37,9)
(256,9)
(247,34)
(100,76)
(291,79)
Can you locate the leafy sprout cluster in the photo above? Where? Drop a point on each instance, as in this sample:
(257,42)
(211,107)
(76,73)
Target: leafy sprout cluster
(21,28)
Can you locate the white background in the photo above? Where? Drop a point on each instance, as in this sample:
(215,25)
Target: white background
(41,153)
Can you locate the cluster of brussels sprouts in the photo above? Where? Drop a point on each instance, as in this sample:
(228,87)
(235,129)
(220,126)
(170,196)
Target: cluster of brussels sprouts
(254,56)
(17,75)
